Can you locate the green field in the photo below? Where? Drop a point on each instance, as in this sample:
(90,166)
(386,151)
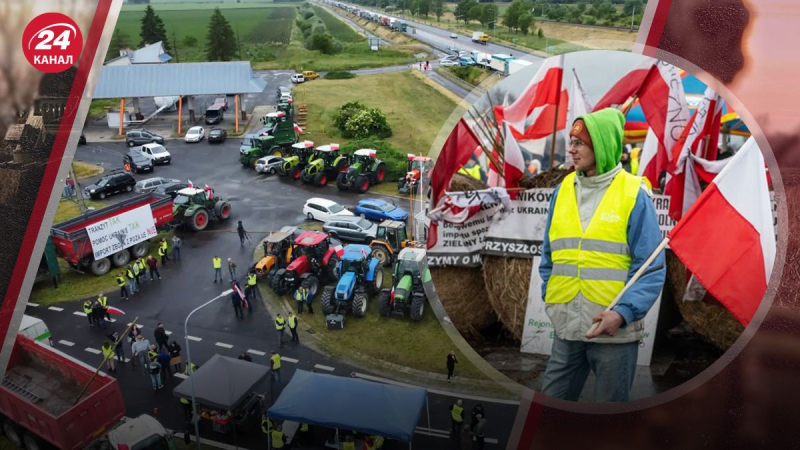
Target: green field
(209,5)
(338,28)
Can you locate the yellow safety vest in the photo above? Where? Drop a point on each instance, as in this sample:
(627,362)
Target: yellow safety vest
(292,322)
(141,264)
(251,279)
(456,413)
(107,351)
(217,263)
(277,439)
(280,323)
(304,427)
(87,308)
(594,262)
(162,251)
(266,426)
(164,245)
(276,361)
(120,281)
(189,368)
(135,269)
(185,401)
(130,273)
(378,441)
(152,355)
(348,446)
(103,301)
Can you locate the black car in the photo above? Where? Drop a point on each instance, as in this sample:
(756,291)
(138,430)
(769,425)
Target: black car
(113,183)
(137,162)
(141,137)
(217,135)
(170,189)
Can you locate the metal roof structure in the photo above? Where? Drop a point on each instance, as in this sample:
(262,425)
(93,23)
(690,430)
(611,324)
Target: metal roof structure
(161,80)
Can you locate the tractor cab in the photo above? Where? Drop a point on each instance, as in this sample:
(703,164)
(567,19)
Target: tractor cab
(359,276)
(301,154)
(312,259)
(327,153)
(278,251)
(417,165)
(325,165)
(364,156)
(407,296)
(272,119)
(390,238)
(286,108)
(261,146)
(355,259)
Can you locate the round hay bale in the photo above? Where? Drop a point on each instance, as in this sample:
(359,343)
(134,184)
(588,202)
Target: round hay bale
(507,279)
(707,318)
(462,290)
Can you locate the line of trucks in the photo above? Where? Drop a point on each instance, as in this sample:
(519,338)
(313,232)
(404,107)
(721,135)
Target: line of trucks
(500,62)
(382,19)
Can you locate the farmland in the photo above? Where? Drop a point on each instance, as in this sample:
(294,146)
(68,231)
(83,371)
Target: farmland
(337,28)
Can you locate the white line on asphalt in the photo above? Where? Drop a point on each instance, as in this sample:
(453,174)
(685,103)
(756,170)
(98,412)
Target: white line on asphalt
(209,443)
(93,350)
(78,313)
(256,352)
(436,391)
(138,325)
(223,345)
(291,360)
(127,360)
(168,332)
(55,308)
(180,375)
(446,434)
(67,343)
(328,368)
(33,304)
(194,338)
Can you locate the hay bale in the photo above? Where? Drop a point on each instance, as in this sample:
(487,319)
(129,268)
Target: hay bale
(707,318)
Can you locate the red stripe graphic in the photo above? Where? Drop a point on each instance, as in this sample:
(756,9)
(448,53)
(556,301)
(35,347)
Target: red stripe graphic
(657,27)
(54,162)
(531,423)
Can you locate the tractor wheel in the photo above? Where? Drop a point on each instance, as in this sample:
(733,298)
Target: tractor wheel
(100,267)
(295,173)
(121,258)
(311,283)
(360,304)
(31,442)
(330,269)
(377,281)
(417,307)
(383,256)
(199,220)
(380,173)
(12,432)
(325,300)
(277,281)
(321,179)
(276,151)
(384,307)
(223,210)
(340,182)
(139,250)
(362,184)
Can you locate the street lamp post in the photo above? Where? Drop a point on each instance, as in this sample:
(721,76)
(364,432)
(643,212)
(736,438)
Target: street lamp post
(195,418)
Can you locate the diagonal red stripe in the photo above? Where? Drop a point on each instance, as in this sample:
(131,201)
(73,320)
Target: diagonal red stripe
(531,423)
(657,26)
(54,162)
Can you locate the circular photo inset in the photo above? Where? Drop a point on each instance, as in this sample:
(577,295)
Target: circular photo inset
(602,226)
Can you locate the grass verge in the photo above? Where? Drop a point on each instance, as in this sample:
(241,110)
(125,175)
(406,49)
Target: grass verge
(98,107)
(86,170)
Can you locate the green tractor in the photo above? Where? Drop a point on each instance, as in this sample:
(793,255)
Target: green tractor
(407,295)
(287,108)
(366,170)
(194,207)
(326,164)
(281,140)
(301,154)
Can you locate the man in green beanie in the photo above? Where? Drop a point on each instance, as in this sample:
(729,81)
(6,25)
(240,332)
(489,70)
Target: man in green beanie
(601,227)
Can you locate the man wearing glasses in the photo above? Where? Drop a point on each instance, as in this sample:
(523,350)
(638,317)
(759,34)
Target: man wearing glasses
(601,227)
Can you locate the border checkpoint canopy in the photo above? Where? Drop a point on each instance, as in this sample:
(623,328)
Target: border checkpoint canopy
(222,382)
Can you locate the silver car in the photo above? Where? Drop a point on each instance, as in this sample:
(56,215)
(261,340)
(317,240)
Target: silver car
(269,164)
(151,184)
(351,228)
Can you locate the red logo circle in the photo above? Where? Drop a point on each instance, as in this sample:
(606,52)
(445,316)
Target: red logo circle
(52,42)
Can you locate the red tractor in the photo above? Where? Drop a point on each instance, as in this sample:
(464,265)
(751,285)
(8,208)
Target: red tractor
(313,258)
(417,166)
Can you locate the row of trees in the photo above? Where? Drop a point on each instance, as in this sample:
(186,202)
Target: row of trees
(592,12)
(316,33)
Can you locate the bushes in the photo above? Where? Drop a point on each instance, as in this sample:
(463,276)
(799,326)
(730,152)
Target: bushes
(324,43)
(396,160)
(345,112)
(339,75)
(470,74)
(355,120)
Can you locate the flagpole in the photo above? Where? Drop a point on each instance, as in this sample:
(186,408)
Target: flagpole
(633,280)
(555,131)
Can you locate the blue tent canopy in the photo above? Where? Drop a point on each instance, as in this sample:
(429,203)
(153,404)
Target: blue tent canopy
(350,404)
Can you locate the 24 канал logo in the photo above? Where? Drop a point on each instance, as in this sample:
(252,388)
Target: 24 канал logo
(52,42)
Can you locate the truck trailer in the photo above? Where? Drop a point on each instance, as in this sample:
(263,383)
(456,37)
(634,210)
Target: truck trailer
(480,37)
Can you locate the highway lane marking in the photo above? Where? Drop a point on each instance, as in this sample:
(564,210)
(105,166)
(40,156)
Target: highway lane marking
(127,360)
(194,338)
(55,308)
(292,360)
(223,345)
(256,352)
(328,368)
(67,343)
(33,304)
(180,375)
(446,434)
(93,350)
(168,332)
(436,391)
(78,313)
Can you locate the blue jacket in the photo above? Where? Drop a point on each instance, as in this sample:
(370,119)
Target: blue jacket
(644,235)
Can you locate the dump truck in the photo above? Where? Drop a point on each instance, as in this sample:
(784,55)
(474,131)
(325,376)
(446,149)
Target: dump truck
(72,243)
(480,37)
(42,406)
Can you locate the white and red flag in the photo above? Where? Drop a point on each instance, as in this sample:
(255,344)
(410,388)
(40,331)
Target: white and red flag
(241,295)
(513,162)
(626,87)
(727,238)
(339,250)
(579,105)
(297,128)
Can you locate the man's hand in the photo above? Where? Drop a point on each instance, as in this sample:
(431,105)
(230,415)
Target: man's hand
(609,323)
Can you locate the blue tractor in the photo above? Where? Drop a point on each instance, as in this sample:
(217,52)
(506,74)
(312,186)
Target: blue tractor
(360,275)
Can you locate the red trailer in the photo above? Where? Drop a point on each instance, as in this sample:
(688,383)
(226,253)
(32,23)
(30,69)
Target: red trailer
(385,21)
(72,243)
(39,391)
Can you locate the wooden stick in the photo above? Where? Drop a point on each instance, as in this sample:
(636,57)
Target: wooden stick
(633,279)
(112,355)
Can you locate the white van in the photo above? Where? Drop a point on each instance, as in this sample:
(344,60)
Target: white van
(35,329)
(322,209)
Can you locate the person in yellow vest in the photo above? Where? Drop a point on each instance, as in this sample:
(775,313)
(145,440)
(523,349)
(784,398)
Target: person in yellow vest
(136,272)
(108,354)
(131,278)
(275,366)
(349,443)
(103,300)
(266,425)
(123,286)
(456,418)
(376,441)
(293,327)
(186,405)
(280,325)
(251,291)
(601,227)
(87,308)
(304,435)
(142,268)
(217,269)
(190,368)
(163,254)
(635,151)
(165,247)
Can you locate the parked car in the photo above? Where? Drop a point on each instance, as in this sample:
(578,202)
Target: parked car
(466,61)
(214,114)
(310,75)
(284,90)
(298,78)
(269,164)
(137,162)
(321,209)
(217,135)
(170,189)
(444,62)
(111,184)
(354,229)
(141,137)
(222,102)
(150,184)
(453,36)
(195,134)
(155,153)
(380,210)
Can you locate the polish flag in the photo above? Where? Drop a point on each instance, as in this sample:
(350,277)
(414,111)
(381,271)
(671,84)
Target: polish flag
(339,250)
(191,185)
(727,238)
(628,86)
(297,128)
(579,105)
(116,311)
(455,153)
(513,162)
(241,295)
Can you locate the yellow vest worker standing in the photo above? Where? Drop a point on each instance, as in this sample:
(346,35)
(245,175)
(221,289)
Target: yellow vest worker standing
(275,366)
(293,327)
(87,309)
(348,443)
(456,418)
(601,226)
(280,325)
(123,286)
(217,269)
(108,355)
(266,425)
(103,300)
(251,290)
(278,438)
